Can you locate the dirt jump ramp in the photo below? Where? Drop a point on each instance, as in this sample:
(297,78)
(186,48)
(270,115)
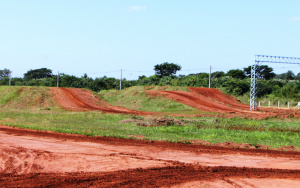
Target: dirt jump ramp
(204,99)
(83,100)
(210,100)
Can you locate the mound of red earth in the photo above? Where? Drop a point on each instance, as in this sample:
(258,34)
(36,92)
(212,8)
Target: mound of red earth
(44,159)
(213,100)
(204,99)
(83,100)
(219,96)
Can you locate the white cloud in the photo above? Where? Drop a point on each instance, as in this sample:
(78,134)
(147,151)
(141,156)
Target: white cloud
(295,19)
(137,8)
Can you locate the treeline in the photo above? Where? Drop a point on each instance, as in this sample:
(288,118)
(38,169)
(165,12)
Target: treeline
(235,82)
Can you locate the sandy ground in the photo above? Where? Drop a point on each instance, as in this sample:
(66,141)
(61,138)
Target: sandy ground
(34,159)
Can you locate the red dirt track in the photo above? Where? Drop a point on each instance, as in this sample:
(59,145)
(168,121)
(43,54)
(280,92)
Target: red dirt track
(83,100)
(217,95)
(31,158)
(213,100)
(204,99)
(44,159)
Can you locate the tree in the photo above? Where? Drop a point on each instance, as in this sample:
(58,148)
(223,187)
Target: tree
(166,69)
(142,77)
(38,73)
(202,75)
(236,73)
(264,72)
(5,73)
(297,77)
(85,75)
(217,74)
(289,75)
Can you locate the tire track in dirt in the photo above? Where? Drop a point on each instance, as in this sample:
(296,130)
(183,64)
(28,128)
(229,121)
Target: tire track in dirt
(173,176)
(74,161)
(18,160)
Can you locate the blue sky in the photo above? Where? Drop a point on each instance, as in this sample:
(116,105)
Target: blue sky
(100,37)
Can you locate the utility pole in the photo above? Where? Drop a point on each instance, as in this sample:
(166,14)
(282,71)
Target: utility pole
(9,82)
(209,76)
(121,81)
(58,79)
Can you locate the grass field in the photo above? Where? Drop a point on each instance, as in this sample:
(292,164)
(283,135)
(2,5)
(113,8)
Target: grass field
(214,130)
(274,132)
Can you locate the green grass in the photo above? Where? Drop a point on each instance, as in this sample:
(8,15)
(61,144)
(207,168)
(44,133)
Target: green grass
(20,97)
(206,129)
(8,94)
(269,124)
(136,98)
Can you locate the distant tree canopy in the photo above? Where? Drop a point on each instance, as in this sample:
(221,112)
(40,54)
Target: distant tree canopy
(264,72)
(236,73)
(4,73)
(297,77)
(217,74)
(166,69)
(289,75)
(38,73)
(142,77)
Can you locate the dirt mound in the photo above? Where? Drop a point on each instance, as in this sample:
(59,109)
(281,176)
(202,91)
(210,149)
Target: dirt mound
(209,100)
(204,99)
(219,96)
(83,100)
(44,159)
(213,100)
(201,102)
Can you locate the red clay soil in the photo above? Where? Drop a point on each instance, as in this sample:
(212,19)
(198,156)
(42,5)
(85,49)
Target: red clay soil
(213,100)
(44,159)
(197,101)
(207,100)
(219,96)
(83,100)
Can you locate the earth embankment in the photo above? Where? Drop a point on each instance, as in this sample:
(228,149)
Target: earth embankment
(204,99)
(83,100)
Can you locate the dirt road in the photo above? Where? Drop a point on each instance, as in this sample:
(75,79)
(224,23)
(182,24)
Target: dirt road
(39,159)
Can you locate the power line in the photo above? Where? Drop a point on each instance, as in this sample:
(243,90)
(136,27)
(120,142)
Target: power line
(259,59)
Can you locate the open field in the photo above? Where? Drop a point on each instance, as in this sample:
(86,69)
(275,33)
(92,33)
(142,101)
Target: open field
(206,138)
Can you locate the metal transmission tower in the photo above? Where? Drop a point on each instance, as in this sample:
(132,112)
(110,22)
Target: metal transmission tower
(254,73)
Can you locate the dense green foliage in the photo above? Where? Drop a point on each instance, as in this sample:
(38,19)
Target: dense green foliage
(38,73)
(264,72)
(166,69)
(234,82)
(238,74)
(4,73)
